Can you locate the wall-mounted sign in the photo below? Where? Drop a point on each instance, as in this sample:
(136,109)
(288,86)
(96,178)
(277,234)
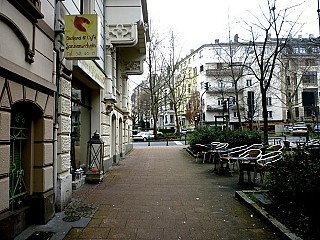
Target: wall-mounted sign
(92,70)
(82,36)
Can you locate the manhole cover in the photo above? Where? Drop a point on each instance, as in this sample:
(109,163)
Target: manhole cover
(40,236)
(71,218)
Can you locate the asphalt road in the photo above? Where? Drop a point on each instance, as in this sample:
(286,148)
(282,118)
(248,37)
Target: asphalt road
(162,143)
(272,140)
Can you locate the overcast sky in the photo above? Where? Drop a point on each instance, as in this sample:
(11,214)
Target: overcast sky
(202,21)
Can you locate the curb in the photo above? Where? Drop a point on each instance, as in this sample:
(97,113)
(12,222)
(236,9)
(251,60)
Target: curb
(273,223)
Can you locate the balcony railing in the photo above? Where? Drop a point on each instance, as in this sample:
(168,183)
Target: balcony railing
(223,72)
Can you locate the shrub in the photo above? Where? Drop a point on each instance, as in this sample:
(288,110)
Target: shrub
(294,186)
(234,138)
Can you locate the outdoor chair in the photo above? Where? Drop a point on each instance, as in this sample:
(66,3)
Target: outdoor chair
(226,159)
(287,146)
(198,151)
(214,153)
(276,147)
(247,162)
(265,164)
(206,150)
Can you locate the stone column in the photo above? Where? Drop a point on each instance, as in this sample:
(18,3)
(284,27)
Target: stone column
(124,93)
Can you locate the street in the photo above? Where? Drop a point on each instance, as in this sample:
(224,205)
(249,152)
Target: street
(272,140)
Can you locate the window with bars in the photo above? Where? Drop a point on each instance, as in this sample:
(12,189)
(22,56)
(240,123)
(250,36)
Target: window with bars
(18,138)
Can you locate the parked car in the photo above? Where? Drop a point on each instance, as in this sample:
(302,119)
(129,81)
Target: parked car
(288,128)
(183,132)
(300,128)
(158,132)
(316,128)
(143,136)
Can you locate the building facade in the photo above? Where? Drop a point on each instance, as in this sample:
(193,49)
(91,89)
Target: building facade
(51,104)
(300,72)
(228,88)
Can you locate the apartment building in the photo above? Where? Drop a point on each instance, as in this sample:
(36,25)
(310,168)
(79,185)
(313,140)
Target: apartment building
(301,82)
(54,97)
(227,87)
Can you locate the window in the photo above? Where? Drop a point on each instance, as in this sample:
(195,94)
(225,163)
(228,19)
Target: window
(269,114)
(310,62)
(233,51)
(288,80)
(296,111)
(189,88)
(235,114)
(195,71)
(299,50)
(218,51)
(200,54)
(220,101)
(309,77)
(201,68)
(171,118)
(269,101)
(220,84)
(166,119)
(249,82)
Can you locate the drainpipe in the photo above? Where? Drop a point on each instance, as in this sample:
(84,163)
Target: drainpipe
(55,123)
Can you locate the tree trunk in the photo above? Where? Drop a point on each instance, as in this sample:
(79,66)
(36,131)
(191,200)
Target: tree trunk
(265,117)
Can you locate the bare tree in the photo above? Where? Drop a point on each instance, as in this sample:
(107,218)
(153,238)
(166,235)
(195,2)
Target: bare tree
(266,52)
(193,108)
(177,85)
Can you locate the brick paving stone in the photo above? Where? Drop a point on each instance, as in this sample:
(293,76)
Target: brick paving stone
(162,193)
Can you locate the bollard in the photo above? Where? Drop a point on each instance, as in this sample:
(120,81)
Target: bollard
(167,142)
(185,139)
(148,141)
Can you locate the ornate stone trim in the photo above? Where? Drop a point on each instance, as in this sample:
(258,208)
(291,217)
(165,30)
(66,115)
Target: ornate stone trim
(29,53)
(123,34)
(133,67)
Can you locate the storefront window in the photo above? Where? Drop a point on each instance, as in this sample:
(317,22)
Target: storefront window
(80,123)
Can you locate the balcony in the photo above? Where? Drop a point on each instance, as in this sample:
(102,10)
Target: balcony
(217,108)
(224,89)
(223,72)
(214,108)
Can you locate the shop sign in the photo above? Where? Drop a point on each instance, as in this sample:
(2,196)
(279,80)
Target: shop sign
(82,36)
(90,68)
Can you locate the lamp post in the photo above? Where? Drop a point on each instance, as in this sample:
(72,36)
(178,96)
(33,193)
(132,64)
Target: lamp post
(95,153)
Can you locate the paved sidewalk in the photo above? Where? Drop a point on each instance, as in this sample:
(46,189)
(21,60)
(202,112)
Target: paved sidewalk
(161,193)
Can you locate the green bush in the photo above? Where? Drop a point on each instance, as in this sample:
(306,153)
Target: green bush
(294,186)
(234,138)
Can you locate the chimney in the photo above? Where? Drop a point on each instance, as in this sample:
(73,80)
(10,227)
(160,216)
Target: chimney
(216,41)
(236,38)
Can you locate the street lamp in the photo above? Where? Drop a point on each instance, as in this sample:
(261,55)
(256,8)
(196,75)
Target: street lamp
(95,153)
